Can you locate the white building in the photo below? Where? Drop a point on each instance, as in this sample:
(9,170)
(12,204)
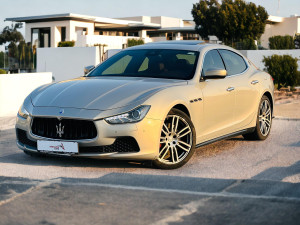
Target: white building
(49,30)
(280,26)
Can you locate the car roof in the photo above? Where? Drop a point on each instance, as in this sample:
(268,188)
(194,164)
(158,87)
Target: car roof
(183,45)
(178,45)
(194,42)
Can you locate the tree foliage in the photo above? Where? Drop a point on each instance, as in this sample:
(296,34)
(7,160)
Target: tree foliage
(283,68)
(246,44)
(281,42)
(11,34)
(230,21)
(21,54)
(3,56)
(2,71)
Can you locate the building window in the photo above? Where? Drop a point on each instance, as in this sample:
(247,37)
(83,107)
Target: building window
(63,33)
(40,37)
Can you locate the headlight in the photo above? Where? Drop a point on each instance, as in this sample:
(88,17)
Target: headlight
(133,116)
(23,112)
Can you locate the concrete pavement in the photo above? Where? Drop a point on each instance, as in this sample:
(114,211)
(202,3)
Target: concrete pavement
(228,182)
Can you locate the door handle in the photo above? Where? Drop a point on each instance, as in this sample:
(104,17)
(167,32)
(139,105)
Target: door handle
(230,89)
(254,82)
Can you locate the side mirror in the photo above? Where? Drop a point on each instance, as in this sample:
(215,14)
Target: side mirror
(88,69)
(215,73)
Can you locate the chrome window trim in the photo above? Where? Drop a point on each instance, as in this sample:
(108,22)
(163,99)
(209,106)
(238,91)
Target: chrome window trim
(233,75)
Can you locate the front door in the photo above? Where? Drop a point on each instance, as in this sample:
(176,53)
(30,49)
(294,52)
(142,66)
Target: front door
(218,100)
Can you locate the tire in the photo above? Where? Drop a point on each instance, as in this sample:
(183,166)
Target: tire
(263,121)
(177,141)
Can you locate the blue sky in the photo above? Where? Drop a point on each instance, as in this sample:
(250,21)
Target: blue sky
(123,8)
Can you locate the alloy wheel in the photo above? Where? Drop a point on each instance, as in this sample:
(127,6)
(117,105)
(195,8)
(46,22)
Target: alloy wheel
(176,140)
(265,117)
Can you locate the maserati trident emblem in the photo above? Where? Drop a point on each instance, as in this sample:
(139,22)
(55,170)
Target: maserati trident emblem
(60,130)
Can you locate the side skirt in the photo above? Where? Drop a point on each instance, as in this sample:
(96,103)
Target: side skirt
(245,131)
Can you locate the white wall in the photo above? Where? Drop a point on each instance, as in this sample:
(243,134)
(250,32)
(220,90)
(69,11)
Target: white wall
(112,42)
(14,88)
(77,24)
(167,21)
(68,62)
(257,56)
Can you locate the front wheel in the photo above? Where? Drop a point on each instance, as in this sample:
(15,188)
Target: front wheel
(177,141)
(264,121)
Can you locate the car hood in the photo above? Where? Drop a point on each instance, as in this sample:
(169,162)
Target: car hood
(100,93)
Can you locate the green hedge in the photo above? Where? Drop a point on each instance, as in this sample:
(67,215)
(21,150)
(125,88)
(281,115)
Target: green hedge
(2,71)
(66,44)
(283,69)
(133,42)
(281,42)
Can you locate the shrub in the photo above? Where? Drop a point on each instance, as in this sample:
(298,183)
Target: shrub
(133,42)
(246,44)
(2,71)
(283,68)
(281,42)
(66,44)
(297,41)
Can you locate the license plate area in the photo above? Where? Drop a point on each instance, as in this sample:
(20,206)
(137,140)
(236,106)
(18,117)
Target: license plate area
(57,146)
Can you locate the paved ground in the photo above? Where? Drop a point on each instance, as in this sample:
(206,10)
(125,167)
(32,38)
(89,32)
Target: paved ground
(288,109)
(229,182)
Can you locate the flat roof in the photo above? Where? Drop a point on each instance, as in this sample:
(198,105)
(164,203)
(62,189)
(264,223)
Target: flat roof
(79,17)
(178,29)
(275,19)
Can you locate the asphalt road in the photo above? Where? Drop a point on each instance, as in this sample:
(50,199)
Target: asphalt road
(228,182)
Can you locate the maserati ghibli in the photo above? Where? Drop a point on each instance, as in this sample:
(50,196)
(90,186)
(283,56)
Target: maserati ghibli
(156,102)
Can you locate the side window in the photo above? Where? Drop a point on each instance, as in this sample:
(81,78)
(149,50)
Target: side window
(234,63)
(212,61)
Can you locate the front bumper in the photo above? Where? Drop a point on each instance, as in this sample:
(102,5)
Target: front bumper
(146,133)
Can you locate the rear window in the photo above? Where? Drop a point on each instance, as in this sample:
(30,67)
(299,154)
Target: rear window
(234,63)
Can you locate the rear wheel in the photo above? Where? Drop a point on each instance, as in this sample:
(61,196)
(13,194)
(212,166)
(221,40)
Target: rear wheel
(177,141)
(264,121)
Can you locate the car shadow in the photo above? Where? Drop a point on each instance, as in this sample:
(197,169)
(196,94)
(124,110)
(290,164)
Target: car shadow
(47,160)
(279,173)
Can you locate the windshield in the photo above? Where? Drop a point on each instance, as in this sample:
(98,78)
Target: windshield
(157,63)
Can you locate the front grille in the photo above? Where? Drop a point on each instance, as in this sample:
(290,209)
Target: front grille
(22,138)
(123,144)
(67,129)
